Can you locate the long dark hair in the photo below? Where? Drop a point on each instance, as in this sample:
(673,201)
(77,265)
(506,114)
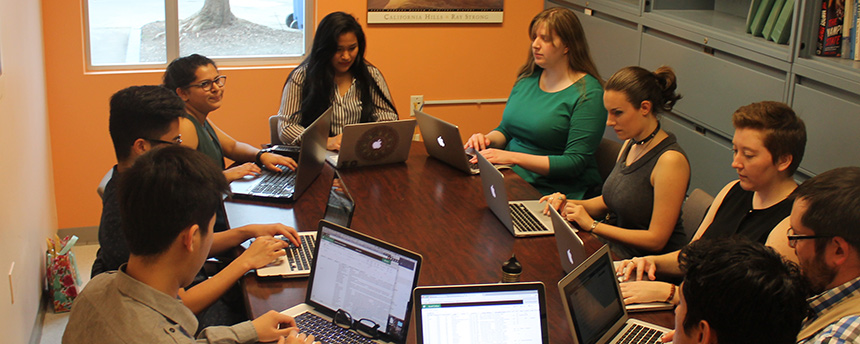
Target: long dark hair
(318,86)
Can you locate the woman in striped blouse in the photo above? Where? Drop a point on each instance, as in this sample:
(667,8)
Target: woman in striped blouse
(335,74)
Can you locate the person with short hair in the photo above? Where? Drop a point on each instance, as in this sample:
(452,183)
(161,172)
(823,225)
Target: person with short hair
(645,190)
(768,145)
(335,74)
(168,199)
(146,117)
(738,291)
(825,236)
(554,117)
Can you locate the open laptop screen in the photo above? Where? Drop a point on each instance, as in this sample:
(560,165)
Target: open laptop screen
(593,300)
(481,314)
(340,205)
(363,277)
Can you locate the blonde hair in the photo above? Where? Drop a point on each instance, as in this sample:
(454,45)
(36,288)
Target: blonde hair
(563,23)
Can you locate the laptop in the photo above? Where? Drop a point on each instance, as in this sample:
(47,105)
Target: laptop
(288,185)
(340,205)
(442,141)
(571,249)
(370,279)
(522,218)
(594,307)
(297,261)
(482,313)
(571,253)
(374,143)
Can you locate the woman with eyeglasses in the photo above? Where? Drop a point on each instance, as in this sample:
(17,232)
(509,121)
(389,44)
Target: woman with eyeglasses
(768,145)
(195,78)
(335,74)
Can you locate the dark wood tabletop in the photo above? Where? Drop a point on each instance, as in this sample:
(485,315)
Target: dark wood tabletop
(428,207)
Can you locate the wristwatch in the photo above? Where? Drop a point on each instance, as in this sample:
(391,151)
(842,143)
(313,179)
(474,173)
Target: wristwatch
(260,154)
(593,225)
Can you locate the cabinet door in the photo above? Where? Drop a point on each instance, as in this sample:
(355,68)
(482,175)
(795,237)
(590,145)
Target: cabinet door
(614,42)
(713,86)
(832,122)
(710,158)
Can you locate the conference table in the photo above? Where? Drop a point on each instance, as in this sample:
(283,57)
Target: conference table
(425,206)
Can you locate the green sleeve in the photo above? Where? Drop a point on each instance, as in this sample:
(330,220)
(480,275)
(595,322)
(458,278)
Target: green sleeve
(587,123)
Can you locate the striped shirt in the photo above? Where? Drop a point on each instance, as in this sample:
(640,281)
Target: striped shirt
(846,329)
(346,109)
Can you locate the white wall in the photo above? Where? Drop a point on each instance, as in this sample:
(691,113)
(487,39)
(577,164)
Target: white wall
(27,207)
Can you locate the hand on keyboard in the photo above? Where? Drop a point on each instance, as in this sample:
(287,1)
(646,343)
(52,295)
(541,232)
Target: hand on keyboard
(262,252)
(241,171)
(277,162)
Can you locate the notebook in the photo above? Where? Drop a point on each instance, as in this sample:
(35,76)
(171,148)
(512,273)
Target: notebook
(594,307)
(374,143)
(287,186)
(521,218)
(340,205)
(571,249)
(442,141)
(297,261)
(482,313)
(571,253)
(370,279)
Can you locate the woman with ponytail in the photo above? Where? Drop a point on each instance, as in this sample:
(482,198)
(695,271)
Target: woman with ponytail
(644,192)
(335,74)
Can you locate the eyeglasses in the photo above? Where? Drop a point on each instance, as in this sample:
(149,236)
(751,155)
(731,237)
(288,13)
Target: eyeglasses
(177,141)
(793,238)
(206,85)
(365,327)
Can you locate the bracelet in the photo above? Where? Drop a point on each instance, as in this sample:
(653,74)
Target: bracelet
(671,294)
(594,225)
(260,154)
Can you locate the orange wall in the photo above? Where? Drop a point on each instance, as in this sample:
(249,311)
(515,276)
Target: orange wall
(441,62)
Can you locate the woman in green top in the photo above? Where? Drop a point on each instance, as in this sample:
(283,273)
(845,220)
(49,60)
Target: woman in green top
(195,78)
(554,118)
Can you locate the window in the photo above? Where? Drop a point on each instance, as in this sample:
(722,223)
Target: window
(123,34)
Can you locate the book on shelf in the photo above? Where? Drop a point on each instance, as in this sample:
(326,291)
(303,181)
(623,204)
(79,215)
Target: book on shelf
(771,18)
(760,18)
(848,32)
(753,8)
(856,25)
(830,28)
(782,28)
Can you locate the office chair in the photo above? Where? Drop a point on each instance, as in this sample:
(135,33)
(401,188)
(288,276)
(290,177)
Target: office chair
(102,184)
(273,130)
(693,211)
(606,156)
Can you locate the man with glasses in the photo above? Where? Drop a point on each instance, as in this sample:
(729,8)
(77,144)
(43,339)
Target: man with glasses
(826,238)
(146,117)
(168,198)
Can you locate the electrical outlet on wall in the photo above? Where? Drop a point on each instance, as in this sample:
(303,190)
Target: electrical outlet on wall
(415,103)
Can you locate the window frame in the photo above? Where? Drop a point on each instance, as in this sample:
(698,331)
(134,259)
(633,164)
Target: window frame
(171,28)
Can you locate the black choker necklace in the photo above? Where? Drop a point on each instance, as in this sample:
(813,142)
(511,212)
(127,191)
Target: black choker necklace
(645,140)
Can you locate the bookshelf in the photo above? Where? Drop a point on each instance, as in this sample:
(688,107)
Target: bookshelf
(721,67)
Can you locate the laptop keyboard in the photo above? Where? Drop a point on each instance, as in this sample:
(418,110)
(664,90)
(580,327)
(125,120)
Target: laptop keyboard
(326,332)
(524,220)
(300,257)
(637,334)
(277,184)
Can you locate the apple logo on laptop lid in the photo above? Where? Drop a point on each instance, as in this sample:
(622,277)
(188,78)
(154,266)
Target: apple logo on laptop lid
(441,141)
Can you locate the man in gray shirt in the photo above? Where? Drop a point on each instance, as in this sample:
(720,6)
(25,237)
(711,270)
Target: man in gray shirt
(167,200)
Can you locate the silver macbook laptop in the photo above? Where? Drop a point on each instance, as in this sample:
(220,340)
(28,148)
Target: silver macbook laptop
(571,252)
(442,141)
(522,218)
(297,261)
(571,249)
(375,143)
(482,313)
(366,278)
(288,185)
(594,307)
